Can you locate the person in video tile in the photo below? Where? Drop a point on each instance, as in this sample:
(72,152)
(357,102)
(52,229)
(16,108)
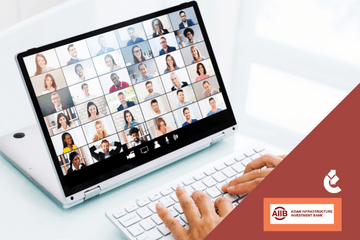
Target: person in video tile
(176,82)
(58,106)
(118,85)
(171,64)
(129,120)
(187,116)
(134,133)
(123,103)
(41,64)
(158,28)
(76,163)
(63,123)
(49,84)
(214,109)
(161,127)
(144,73)
(103,45)
(165,48)
(68,143)
(93,112)
(196,55)
(190,37)
(100,131)
(201,71)
(133,37)
(208,91)
(184,21)
(106,152)
(138,54)
(181,97)
(79,70)
(152,94)
(73,53)
(155,106)
(110,63)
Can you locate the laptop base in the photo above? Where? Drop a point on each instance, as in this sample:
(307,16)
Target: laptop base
(26,150)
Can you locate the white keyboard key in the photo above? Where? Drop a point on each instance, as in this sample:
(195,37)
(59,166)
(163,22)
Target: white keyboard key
(189,189)
(213,192)
(235,204)
(163,229)
(219,185)
(174,197)
(220,166)
(246,161)
(259,149)
(199,176)
(257,155)
(249,153)
(188,181)
(156,219)
(219,177)
(182,216)
(209,181)
(169,237)
(232,198)
(119,213)
(238,167)
(129,219)
(210,171)
(167,201)
(131,207)
(229,172)
(198,186)
(166,191)
(230,162)
(142,201)
(135,230)
(144,212)
(180,221)
(178,208)
(152,206)
(150,235)
(240,157)
(242,196)
(155,196)
(147,224)
(173,212)
(174,186)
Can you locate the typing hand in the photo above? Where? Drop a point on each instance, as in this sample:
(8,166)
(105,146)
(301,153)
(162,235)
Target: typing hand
(253,174)
(202,219)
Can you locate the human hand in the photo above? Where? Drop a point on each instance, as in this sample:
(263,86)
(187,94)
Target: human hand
(253,174)
(199,212)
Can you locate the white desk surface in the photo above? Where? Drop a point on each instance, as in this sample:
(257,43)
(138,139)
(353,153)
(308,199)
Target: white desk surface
(26,212)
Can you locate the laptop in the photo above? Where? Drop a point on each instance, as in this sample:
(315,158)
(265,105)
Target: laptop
(119,102)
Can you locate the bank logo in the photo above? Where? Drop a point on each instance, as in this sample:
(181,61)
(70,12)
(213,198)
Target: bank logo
(330,181)
(279,213)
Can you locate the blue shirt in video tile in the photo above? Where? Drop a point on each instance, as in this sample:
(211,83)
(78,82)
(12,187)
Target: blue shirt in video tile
(186,123)
(189,23)
(179,105)
(132,124)
(212,113)
(72,61)
(137,40)
(102,51)
(170,49)
(142,79)
(128,104)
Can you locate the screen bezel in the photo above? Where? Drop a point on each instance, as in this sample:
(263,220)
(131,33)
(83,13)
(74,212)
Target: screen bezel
(192,133)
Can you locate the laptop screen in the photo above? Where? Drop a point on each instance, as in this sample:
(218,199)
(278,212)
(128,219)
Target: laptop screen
(111,100)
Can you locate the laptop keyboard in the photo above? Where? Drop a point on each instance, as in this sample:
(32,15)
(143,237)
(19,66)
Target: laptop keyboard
(138,219)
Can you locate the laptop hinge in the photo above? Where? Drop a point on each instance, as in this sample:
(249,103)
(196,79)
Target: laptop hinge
(218,138)
(92,193)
